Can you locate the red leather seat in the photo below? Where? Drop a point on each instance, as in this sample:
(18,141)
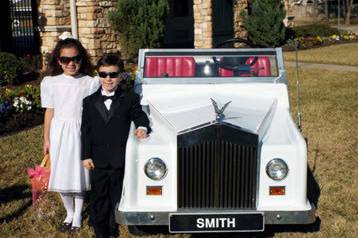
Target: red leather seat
(226,72)
(262,68)
(169,67)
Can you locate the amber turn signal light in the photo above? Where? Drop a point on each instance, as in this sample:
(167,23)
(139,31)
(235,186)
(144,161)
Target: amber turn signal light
(278,190)
(154,190)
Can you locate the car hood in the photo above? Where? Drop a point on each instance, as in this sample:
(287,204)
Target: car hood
(184,113)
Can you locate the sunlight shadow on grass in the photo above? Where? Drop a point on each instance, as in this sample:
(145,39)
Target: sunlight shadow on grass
(313,189)
(15,192)
(10,194)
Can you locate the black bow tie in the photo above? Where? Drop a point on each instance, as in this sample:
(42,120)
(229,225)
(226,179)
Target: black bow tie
(104,97)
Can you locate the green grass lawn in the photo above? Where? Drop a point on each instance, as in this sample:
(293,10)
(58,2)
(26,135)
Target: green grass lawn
(343,54)
(329,106)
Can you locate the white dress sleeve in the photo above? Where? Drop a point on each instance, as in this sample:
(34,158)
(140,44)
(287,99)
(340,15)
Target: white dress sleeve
(47,93)
(94,85)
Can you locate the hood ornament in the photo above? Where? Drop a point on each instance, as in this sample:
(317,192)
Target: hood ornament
(219,112)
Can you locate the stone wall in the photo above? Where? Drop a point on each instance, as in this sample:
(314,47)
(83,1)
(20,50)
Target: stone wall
(202,24)
(94,30)
(203,21)
(55,19)
(239,28)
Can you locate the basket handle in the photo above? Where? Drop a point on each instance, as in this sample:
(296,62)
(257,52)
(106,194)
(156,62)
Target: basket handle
(45,161)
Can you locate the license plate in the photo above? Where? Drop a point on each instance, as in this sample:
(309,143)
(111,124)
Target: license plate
(191,223)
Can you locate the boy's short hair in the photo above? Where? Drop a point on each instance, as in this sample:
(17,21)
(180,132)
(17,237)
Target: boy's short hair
(111,59)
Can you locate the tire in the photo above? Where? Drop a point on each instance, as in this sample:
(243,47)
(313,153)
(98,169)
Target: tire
(147,230)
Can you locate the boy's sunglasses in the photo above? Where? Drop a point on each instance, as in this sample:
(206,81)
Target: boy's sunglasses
(67,60)
(103,74)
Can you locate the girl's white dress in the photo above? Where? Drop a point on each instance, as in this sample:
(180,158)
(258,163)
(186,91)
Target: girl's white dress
(65,94)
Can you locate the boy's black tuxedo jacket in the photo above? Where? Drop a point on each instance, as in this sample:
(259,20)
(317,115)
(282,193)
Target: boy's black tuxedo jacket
(104,133)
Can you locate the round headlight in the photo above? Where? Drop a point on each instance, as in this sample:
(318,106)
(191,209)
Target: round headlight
(277,169)
(155,169)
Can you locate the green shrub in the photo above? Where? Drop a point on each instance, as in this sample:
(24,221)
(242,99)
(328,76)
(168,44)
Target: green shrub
(315,30)
(140,24)
(10,68)
(265,23)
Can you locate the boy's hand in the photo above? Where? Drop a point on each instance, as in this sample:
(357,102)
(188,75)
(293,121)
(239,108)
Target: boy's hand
(140,133)
(88,164)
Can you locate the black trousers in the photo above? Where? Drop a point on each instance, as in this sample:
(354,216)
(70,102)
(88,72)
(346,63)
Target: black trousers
(106,191)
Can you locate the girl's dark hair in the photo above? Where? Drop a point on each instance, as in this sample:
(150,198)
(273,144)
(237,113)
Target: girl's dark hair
(53,68)
(111,59)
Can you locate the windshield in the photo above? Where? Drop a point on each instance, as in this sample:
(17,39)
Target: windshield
(200,64)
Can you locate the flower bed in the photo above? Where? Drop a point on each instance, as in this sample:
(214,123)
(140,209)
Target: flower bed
(20,108)
(307,42)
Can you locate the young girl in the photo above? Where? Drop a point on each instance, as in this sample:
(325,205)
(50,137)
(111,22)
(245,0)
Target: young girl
(62,92)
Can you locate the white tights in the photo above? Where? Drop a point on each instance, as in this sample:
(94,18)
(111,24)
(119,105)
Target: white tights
(73,203)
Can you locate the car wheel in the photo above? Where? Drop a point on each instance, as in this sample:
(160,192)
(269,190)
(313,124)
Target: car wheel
(147,230)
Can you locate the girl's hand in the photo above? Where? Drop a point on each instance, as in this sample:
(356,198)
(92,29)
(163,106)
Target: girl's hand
(46,147)
(88,164)
(140,133)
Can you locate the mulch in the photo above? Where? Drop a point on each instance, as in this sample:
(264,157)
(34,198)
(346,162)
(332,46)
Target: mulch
(20,121)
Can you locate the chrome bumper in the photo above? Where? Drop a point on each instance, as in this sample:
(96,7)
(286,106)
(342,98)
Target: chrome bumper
(162,218)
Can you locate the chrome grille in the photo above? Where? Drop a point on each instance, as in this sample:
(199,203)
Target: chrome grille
(218,172)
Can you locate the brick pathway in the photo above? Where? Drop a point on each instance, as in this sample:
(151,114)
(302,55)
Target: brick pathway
(353,28)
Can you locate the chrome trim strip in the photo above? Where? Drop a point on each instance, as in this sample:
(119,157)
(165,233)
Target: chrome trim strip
(162,218)
(213,80)
(271,50)
(223,122)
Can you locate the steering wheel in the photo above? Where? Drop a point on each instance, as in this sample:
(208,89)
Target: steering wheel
(235,63)
(234,40)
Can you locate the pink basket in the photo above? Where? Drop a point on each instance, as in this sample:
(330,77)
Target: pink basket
(39,177)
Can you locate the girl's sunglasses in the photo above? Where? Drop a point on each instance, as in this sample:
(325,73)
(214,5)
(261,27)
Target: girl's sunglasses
(66,60)
(103,74)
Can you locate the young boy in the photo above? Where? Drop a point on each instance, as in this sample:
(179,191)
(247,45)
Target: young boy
(106,119)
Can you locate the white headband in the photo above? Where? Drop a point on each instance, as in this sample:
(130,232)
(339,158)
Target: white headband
(66,35)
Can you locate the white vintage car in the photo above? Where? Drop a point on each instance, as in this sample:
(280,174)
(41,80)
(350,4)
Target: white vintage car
(225,154)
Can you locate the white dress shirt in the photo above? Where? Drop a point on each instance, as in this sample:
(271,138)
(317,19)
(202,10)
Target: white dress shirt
(108,104)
